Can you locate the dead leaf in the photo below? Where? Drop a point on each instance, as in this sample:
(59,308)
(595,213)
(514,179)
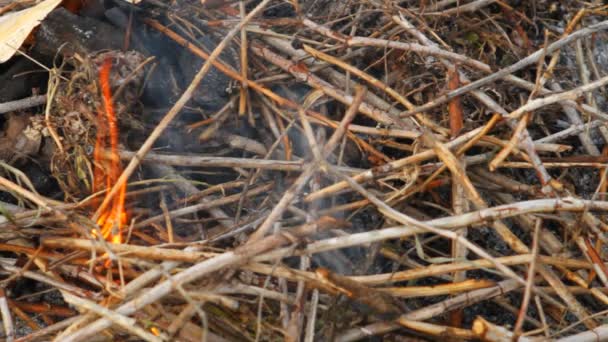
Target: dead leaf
(15,27)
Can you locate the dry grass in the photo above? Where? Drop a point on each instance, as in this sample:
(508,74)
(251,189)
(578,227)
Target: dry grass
(419,169)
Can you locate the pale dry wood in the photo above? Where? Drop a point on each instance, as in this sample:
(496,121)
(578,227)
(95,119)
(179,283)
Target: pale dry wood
(416,273)
(7,318)
(461,8)
(29,102)
(127,323)
(598,334)
(144,252)
(438,290)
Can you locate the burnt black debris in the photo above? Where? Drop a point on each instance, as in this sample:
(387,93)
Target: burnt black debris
(176,65)
(14,88)
(67,34)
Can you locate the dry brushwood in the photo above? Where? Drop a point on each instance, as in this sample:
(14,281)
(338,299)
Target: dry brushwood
(307,170)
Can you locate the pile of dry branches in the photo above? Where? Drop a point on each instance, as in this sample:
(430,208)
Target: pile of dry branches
(400,169)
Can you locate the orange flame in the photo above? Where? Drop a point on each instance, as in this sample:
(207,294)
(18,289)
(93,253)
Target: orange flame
(107,171)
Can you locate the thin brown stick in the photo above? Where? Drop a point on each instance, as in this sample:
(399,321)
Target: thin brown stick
(513,142)
(531,274)
(153,253)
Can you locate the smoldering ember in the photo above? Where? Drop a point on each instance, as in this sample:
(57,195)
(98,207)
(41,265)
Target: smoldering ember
(303,170)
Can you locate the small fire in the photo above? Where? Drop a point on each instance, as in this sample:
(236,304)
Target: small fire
(107,166)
